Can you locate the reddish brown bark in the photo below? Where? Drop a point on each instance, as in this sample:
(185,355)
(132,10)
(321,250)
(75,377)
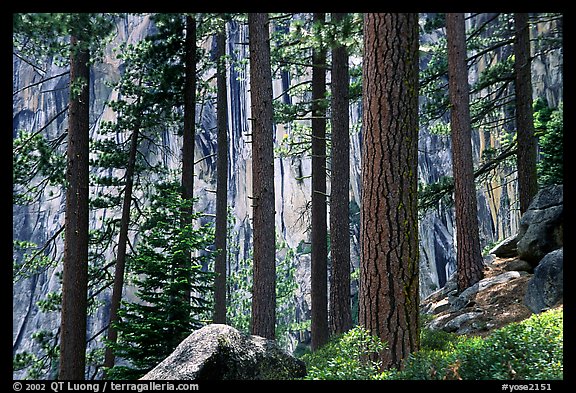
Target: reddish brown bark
(468,252)
(389,296)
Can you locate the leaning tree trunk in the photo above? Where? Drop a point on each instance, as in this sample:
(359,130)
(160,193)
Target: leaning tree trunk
(119,268)
(389,296)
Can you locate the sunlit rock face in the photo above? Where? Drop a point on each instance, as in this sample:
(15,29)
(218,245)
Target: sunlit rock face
(34,107)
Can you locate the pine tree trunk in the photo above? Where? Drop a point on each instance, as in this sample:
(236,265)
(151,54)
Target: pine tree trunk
(121,254)
(468,252)
(527,141)
(340,309)
(389,294)
(264,237)
(319,249)
(221,181)
(75,271)
(189,132)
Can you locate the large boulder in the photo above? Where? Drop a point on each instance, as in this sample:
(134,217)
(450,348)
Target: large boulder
(507,248)
(220,352)
(541,226)
(546,287)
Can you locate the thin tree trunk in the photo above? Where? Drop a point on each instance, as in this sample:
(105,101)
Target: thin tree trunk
(222,181)
(319,250)
(389,295)
(264,236)
(340,309)
(527,141)
(75,271)
(119,269)
(468,252)
(189,133)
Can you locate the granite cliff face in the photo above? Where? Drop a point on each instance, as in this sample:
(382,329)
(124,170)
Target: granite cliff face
(34,107)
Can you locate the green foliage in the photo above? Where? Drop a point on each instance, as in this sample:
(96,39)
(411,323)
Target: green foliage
(44,35)
(29,259)
(345,357)
(430,194)
(41,362)
(549,127)
(239,283)
(169,262)
(35,157)
(531,349)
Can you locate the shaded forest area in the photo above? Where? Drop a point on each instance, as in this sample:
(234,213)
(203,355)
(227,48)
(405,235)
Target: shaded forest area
(142,249)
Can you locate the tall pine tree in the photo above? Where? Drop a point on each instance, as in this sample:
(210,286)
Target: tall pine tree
(527,142)
(264,236)
(75,270)
(468,252)
(389,295)
(340,309)
(319,254)
(222,179)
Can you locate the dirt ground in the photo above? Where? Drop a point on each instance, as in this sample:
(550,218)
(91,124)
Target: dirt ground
(497,305)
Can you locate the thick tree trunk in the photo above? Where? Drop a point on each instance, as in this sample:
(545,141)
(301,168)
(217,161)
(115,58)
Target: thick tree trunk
(264,236)
(340,309)
(221,181)
(468,251)
(527,141)
(389,296)
(75,272)
(319,250)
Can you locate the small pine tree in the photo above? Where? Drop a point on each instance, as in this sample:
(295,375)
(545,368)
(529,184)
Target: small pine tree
(151,328)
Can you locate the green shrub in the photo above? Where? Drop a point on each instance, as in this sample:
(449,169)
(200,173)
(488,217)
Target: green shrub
(345,357)
(531,349)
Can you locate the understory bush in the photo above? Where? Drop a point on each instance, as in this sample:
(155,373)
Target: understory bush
(530,349)
(345,357)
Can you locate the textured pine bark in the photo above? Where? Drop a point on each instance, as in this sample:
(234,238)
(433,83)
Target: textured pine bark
(527,141)
(340,316)
(75,271)
(468,252)
(264,264)
(319,250)
(222,182)
(389,295)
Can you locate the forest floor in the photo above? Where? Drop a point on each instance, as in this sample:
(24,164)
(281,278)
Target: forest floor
(503,303)
(493,307)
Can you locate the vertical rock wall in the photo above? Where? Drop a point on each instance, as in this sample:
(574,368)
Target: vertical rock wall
(34,107)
